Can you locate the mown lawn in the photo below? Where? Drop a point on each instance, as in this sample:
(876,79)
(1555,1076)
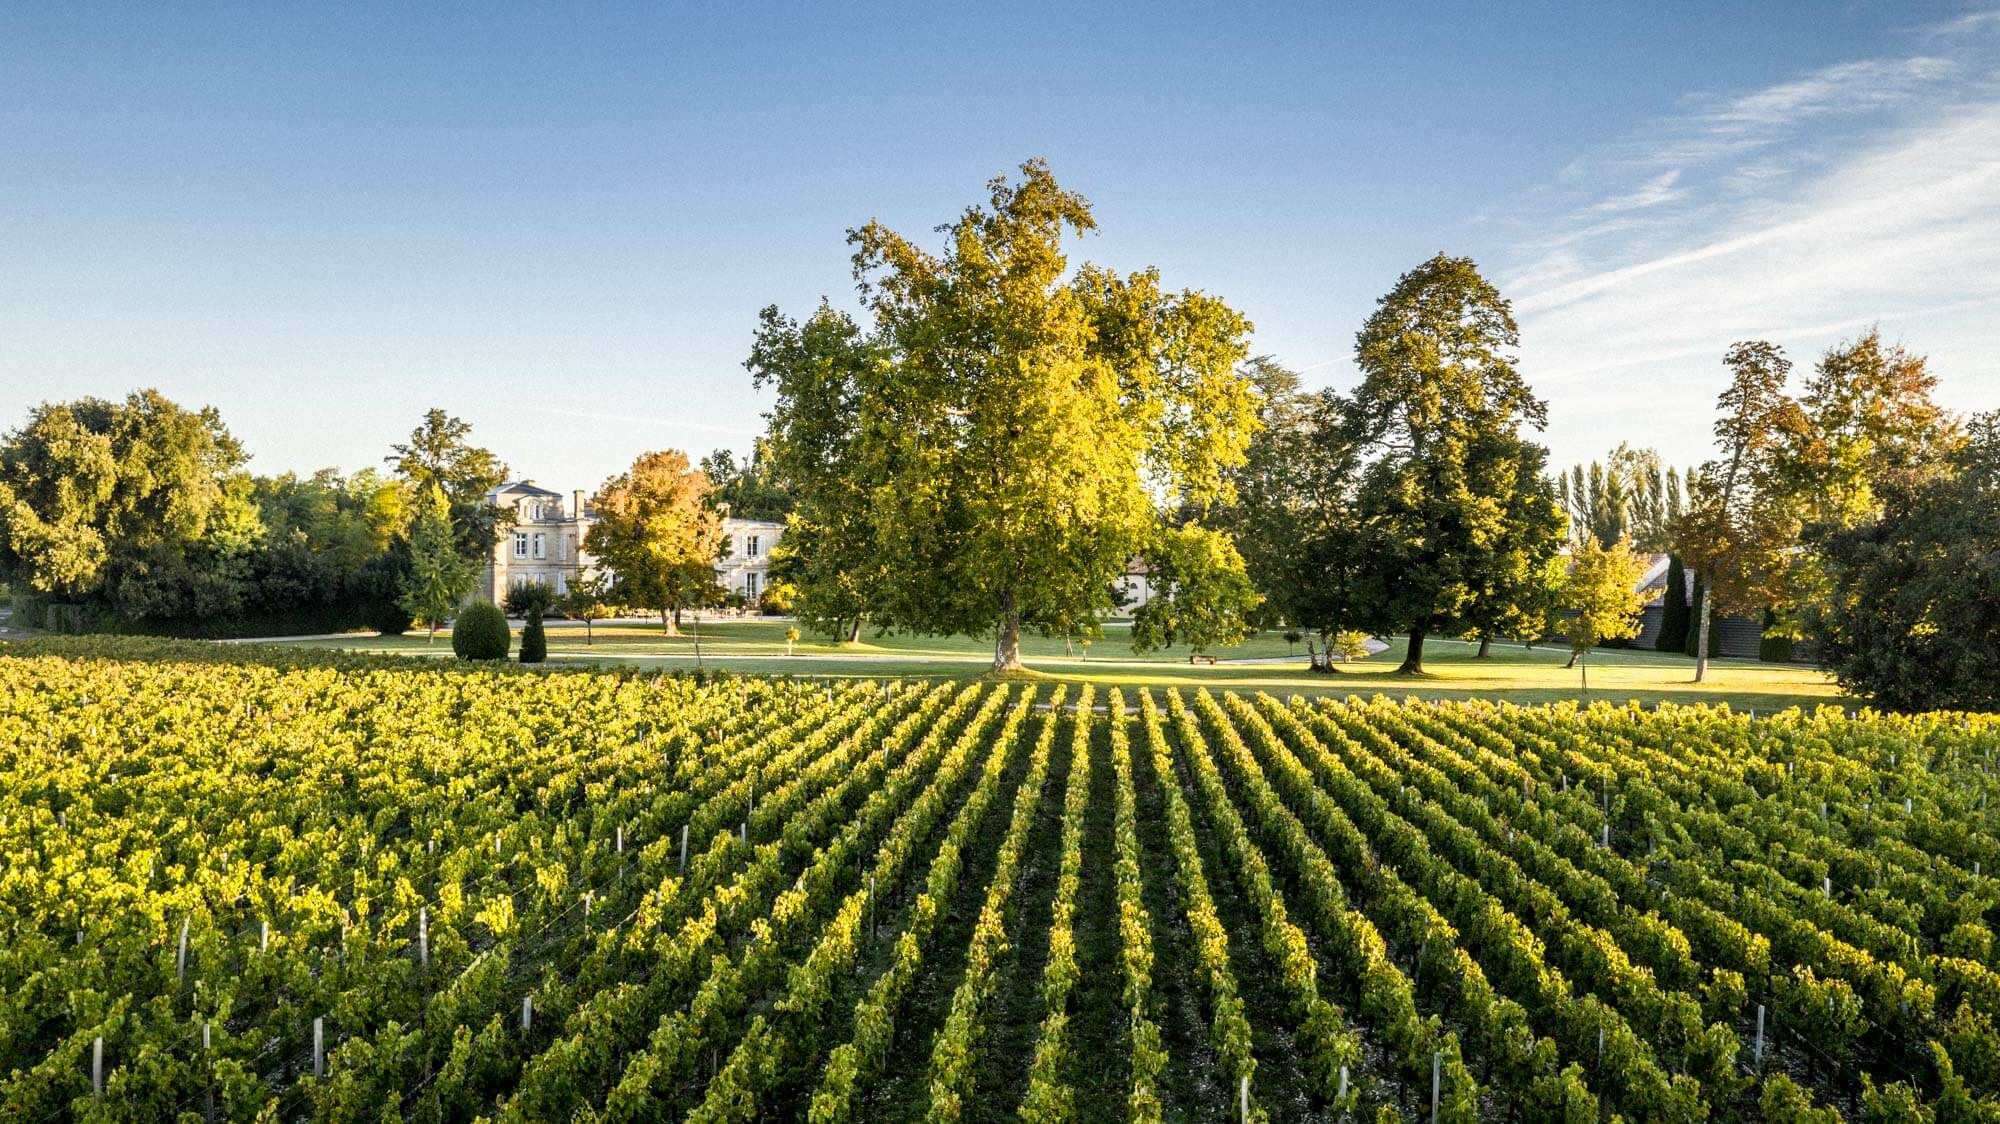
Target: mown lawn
(1510,672)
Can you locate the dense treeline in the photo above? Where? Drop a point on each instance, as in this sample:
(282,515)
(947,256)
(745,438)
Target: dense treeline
(139,515)
(997,438)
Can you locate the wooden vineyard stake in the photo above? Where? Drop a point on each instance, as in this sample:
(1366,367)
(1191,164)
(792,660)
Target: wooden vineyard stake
(208,1094)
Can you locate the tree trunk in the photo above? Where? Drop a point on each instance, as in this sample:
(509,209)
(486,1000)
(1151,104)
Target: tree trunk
(1583,668)
(1007,638)
(1485,645)
(589,637)
(854,630)
(1701,638)
(1413,660)
(1572,660)
(432,634)
(670,622)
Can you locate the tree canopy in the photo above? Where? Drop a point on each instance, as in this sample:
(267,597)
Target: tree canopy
(1454,514)
(1017,429)
(657,531)
(439,578)
(440,454)
(1911,616)
(823,459)
(1794,471)
(1632,494)
(1292,512)
(747,489)
(1600,598)
(1736,530)
(1200,595)
(137,507)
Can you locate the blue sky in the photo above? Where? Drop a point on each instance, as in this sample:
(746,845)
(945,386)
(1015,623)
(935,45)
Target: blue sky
(559,222)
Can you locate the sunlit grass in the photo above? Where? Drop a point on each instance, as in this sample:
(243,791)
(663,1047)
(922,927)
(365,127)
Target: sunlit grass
(1511,672)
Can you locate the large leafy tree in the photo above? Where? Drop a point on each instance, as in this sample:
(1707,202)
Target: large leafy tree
(1291,515)
(1201,597)
(1025,425)
(137,506)
(1741,522)
(1514,594)
(1600,599)
(658,532)
(749,489)
(345,521)
(821,455)
(440,454)
(1869,425)
(1912,610)
(438,577)
(1452,495)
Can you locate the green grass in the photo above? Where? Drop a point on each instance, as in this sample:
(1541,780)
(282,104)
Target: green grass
(1452,672)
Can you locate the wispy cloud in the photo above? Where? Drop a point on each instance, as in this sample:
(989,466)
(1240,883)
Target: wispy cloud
(1867,192)
(1654,192)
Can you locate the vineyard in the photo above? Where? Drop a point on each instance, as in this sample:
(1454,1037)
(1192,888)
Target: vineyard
(361,891)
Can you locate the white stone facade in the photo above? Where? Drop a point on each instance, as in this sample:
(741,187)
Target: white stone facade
(745,567)
(542,540)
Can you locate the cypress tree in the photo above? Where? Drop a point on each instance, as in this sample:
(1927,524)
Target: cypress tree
(534,638)
(1673,609)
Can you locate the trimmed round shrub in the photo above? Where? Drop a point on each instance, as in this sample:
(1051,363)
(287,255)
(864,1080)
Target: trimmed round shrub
(534,640)
(480,632)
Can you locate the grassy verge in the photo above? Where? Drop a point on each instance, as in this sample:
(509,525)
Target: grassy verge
(1511,672)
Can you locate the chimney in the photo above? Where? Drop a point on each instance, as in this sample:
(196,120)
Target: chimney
(576,505)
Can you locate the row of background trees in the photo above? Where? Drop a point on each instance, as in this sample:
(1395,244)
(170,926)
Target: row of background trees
(990,442)
(140,514)
(987,446)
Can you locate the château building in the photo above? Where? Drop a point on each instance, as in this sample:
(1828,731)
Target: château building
(542,539)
